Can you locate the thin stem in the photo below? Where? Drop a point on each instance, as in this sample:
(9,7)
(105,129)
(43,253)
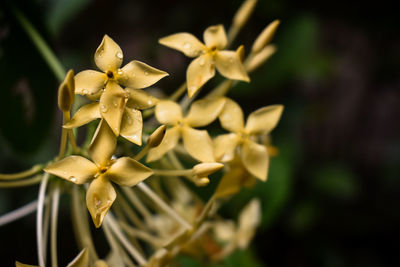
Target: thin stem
(46,225)
(19,175)
(31,181)
(142,153)
(141,235)
(173,172)
(124,241)
(18,213)
(40,44)
(138,204)
(130,213)
(39,218)
(178,93)
(174,160)
(167,209)
(64,136)
(205,211)
(54,215)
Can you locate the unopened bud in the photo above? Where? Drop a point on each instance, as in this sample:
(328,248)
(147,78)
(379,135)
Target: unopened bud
(240,52)
(157,136)
(205,169)
(243,13)
(260,58)
(265,37)
(201,181)
(66,92)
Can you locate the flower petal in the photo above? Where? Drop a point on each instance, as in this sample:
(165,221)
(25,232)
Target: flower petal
(264,119)
(231,117)
(131,126)
(84,115)
(215,36)
(198,144)
(76,169)
(168,112)
(184,42)
(89,82)
(169,141)
(103,144)
(255,159)
(228,63)
(139,75)
(108,56)
(128,172)
(140,99)
(112,105)
(200,70)
(224,147)
(99,198)
(203,112)
(232,181)
(249,219)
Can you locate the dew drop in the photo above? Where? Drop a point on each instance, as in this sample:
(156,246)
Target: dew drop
(149,102)
(97,202)
(129,120)
(103,108)
(134,137)
(186,46)
(120,72)
(115,103)
(85,92)
(72,179)
(119,55)
(146,73)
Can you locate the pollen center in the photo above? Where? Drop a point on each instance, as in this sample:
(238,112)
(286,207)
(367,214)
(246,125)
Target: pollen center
(103,169)
(110,74)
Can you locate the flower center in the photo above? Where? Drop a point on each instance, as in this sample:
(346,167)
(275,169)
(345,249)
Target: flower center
(110,74)
(103,169)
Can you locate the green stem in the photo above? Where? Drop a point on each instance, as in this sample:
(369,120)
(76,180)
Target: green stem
(13,176)
(40,44)
(54,216)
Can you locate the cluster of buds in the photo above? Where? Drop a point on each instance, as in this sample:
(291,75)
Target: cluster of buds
(136,173)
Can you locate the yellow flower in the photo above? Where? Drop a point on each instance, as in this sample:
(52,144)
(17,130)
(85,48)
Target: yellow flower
(197,142)
(79,170)
(208,57)
(254,156)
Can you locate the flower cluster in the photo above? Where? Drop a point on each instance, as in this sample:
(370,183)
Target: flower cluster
(137,186)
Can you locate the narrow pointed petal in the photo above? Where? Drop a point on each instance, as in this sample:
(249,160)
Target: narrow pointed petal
(82,260)
(203,112)
(103,144)
(184,42)
(228,63)
(200,70)
(198,144)
(140,99)
(89,82)
(139,75)
(249,219)
(112,105)
(231,182)
(99,198)
(168,112)
(84,115)
(215,36)
(108,56)
(264,120)
(128,172)
(131,126)
(224,147)
(231,117)
(169,141)
(255,159)
(76,169)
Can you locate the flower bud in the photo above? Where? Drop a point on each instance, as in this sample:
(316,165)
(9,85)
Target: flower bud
(66,92)
(157,136)
(240,52)
(205,169)
(243,13)
(265,37)
(260,58)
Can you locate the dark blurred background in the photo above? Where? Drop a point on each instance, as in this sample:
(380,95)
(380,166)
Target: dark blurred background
(333,191)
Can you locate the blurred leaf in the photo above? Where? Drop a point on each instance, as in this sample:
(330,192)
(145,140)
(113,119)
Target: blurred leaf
(303,216)
(242,258)
(62,11)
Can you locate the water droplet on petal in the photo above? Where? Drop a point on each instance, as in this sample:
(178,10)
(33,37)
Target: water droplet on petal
(149,102)
(85,92)
(134,137)
(146,73)
(119,55)
(97,202)
(72,179)
(186,46)
(115,103)
(103,108)
(129,120)
(120,72)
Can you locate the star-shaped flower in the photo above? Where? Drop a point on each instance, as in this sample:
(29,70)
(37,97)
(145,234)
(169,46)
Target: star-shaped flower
(197,142)
(208,57)
(79,170)
(254,156)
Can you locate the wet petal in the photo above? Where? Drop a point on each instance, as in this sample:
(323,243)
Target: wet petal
(184,42)
(108,56)
(139,75)
(198,144)
(99,198)
(224,146)
(84,115)
(215,36)
(112,105)
(82,260)
(89,82)
(200,70)
(231,117)
(168,112)
(203,112)
(140,99)
(255,159)
(264,119)
(169,141)
(76,169)
(128,172)
(131,126)
(103,144)
(228,63)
